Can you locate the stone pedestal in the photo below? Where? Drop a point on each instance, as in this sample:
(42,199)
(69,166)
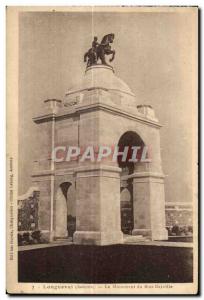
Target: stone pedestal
(149,205)
(98,205)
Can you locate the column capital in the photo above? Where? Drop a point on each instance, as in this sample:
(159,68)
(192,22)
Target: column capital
(145,175)
(97,170)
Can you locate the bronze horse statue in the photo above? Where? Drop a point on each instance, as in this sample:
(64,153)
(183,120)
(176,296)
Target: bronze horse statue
(98,51)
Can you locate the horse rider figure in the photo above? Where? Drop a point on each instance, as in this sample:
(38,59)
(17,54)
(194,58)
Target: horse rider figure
(98,51)
(95,44)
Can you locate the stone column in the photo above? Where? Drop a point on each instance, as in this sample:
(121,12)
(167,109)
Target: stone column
(43,173)
(60,228)
(98,205)
(149,205)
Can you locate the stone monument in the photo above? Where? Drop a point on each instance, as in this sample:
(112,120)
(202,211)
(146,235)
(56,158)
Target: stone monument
(99,110)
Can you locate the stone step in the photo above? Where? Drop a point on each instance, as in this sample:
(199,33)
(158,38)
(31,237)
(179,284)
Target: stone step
(134,238)
(58,239)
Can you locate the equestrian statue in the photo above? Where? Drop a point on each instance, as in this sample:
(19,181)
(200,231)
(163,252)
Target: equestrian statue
(98,51)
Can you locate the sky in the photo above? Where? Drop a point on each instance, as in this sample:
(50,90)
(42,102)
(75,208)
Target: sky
(155,56)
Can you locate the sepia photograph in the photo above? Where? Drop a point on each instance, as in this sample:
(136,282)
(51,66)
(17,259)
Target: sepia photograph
(102,150)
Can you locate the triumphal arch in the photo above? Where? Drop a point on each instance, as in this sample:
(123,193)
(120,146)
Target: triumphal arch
(99,201)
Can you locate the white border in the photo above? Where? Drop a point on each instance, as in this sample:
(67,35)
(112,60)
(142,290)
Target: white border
(3,94)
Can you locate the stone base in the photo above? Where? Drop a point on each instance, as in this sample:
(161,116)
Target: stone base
(154,235)
(97,238)
(143,232)
(160,235)
(59,238)
(51,236)
(112,237)
(61,234)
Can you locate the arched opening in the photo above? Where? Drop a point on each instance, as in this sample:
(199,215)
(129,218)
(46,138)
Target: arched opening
(65,215)
(129,139)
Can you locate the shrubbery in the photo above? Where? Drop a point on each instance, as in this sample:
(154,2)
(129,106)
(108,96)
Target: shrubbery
(177,230)
(30,238)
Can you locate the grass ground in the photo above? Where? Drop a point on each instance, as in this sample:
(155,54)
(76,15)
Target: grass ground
(106,264)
